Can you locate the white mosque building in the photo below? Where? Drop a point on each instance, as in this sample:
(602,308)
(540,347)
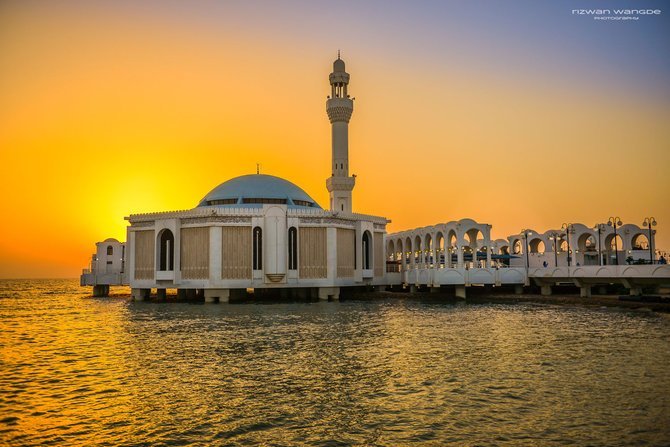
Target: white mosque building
(264,233)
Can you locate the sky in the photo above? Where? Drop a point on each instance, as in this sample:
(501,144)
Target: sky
(517,113)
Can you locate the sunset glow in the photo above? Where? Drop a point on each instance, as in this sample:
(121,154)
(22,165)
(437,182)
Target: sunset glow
(522,116)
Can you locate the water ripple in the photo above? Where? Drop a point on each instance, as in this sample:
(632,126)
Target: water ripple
(82,371)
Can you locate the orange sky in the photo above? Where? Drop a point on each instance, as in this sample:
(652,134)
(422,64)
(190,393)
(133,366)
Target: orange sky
(107,112)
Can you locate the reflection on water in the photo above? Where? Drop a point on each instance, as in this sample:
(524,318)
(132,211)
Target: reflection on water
(77,370)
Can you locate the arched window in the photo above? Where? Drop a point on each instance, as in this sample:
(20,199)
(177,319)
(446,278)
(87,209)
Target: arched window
(110,250)
(292,248)
(366,250)
(258,249)
(166,251)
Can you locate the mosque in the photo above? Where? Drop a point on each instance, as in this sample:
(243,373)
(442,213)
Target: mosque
(264,233)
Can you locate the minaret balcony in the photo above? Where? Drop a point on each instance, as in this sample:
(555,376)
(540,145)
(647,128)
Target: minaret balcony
(340,183)
(339,109)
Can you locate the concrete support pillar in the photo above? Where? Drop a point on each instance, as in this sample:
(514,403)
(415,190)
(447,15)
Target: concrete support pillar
(161,294)
(101,290)
(518,289)
(140,294)
(585,291)
(217,295)
(434,290)
(181,294)
(633,289)
(545,290)
(329,293)
(412,288)
(460,292)
(380,288)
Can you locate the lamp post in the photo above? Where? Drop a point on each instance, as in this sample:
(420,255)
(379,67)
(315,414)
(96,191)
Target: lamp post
(599,228)
(568,229)
(526,233)
(615,222)
(648,222)
(554,237)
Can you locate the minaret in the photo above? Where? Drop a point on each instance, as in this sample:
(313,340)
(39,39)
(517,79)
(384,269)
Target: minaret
(339,107)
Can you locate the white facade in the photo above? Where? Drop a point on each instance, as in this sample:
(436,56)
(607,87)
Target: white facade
(107,266)
(269,247)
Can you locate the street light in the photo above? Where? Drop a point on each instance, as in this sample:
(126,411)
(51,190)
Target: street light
(526,233)
(568,229)
(648,222)
(554,237)
(599,228)
(615,222)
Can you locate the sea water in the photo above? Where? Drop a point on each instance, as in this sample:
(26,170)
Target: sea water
(76,370)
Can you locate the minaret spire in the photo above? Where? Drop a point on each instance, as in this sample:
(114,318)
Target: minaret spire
(340,107)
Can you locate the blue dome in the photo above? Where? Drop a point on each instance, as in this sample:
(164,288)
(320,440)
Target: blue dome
(254,190)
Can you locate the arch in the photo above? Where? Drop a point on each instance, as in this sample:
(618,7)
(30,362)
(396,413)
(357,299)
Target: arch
(586,242)
(639,241)
(293,248)
(517,247)
(367,250)
(473,236)
(586,252)
(613,247)
(417,250)
(439,249)
(110,250)
(408,254)
(427,256)
(452,248)
(390,251)
(257,256)
(536,245)
(165,250)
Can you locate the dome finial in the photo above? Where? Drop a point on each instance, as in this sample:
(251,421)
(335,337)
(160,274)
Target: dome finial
(258,168)
(338,53)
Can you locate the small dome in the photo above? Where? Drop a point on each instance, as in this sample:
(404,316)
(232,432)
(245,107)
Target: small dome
(255,190)
(338,66)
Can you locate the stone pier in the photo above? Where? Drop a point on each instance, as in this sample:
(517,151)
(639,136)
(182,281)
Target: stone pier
(329,293)
(460,292)
(217,295)
(101,290)
(140,294)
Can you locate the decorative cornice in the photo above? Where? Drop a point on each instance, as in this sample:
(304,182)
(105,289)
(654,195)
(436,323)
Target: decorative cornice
(215,213)
(216,219)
